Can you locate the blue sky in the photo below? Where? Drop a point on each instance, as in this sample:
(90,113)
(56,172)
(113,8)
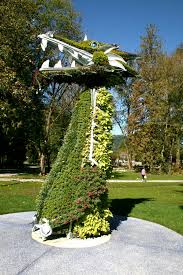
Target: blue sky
(123,22)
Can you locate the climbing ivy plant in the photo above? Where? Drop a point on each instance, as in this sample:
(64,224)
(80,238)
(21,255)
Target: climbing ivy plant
(75,190)
(96,222)
(102,132)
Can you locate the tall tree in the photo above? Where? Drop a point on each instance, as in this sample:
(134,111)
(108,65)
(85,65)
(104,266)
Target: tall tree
(16,34)
(155,121)
(21,21)
(58,16)
(143,131)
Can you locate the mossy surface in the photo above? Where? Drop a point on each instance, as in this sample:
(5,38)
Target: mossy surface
(100,46)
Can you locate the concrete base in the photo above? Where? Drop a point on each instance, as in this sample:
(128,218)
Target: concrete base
(136,247)
(72,243)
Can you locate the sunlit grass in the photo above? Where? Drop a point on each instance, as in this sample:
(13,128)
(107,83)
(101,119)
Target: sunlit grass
(18,196)
(130,175)
(157,202)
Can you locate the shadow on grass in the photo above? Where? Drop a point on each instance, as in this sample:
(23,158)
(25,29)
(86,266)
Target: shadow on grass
(121,208)
(28,169)
(10,183)
(179,191)
(117,175)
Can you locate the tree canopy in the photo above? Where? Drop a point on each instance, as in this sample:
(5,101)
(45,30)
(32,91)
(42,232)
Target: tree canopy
(23,109)
(154,117)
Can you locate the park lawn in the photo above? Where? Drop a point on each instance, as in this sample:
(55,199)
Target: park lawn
(29,176)
(18,196)
(130,175)
(157,202)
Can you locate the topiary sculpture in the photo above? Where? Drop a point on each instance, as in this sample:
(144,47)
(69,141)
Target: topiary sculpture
(74,195)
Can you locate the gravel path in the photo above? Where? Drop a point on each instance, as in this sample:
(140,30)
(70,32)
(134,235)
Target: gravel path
(136,247)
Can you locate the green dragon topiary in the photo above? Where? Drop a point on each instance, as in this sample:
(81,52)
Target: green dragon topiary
(75,192)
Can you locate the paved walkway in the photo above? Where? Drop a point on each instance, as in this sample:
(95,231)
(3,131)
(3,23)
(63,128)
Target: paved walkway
(146,180)
(8,178)
(21,180)
(136,247)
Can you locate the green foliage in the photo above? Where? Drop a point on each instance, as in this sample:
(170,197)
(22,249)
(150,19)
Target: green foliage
(70,142)
(54,15)
(94,224)
(151,44)
(70,189)
(155,114)
(86,45)
(58,15)
(86,75)
(102,131)
(24,112)
(16,35)
(100,58)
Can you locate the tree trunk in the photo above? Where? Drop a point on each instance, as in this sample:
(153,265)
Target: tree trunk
(171,157)
(127,145)
(178,153)
(42,164)
(163,148)
(48,161)
(129,159)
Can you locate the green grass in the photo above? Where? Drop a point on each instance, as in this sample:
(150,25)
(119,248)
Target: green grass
(157,202)
(129,175)
(28,176)
(18,196)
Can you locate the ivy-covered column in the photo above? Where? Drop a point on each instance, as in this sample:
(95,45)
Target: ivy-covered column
(58,197)
(97,151)
(75,190)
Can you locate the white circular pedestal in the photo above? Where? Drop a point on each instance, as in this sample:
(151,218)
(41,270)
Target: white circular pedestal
(72,243)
